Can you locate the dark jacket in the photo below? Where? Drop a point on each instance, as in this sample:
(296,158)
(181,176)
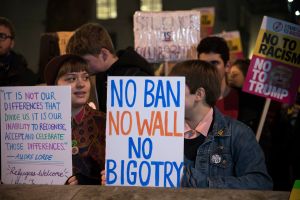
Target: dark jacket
(130,63)
(250,109)
(14,71)
(230,157)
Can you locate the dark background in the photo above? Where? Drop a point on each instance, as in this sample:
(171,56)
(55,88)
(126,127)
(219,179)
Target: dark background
(34,17)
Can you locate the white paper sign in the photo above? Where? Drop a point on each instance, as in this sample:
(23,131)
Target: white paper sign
(167,36)
(144,131)
(36,134)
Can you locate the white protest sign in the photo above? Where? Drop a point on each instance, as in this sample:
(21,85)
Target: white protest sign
(36,134)
(167,36)
(144,131)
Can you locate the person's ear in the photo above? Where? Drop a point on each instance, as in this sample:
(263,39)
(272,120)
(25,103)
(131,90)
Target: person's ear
(104,53)
(200,94)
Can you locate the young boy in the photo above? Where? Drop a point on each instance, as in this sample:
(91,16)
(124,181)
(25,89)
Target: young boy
(92,42)
(219,152)
(88,125)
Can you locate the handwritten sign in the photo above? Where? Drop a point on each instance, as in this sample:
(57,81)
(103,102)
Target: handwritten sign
(167,36)
(36,134)
(144,131)
(275,66)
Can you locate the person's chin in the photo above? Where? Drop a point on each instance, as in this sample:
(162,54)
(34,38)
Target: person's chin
(78,104)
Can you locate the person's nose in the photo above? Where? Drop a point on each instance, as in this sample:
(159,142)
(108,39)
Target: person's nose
(80,83)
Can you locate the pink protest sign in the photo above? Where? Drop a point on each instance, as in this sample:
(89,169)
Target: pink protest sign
(272,79)
(275,64)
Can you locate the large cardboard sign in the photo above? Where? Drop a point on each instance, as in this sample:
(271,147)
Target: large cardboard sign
(167,36)
(144,131)
(36,134)
(274,69)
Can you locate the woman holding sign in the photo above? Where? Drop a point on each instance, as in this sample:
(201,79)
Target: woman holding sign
(88,125)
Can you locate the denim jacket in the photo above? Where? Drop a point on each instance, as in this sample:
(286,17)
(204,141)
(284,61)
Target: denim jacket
(230,157)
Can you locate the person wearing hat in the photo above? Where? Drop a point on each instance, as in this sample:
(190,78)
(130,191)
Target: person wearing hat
(88,125)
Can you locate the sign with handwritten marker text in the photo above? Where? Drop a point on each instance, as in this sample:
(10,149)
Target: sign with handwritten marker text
(167,35)
(275,65)
(36,134)
(144,131)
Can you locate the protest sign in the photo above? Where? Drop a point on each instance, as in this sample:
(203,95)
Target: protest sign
(274,69)
(36,134)
(207,20)
(233,40)
(63,39)
(144,131)
(167,36)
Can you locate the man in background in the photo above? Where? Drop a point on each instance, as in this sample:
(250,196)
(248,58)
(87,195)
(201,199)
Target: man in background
(13,66)
(215,51)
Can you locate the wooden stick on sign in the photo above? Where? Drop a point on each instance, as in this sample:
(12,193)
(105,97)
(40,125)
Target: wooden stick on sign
(262,119)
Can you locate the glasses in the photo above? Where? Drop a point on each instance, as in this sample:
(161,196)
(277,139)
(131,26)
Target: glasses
(4,36)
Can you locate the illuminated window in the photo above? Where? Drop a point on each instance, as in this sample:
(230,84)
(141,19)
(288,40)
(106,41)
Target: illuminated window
(106,9)
(151,5)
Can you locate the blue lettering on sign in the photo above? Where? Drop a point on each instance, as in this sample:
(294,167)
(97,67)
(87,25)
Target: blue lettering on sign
(145,182)
(141,148)
(132,172)
(110,170)
(122,174)
(168,173)
(131,175)
(162,95)
(118,93)
(47,96)
(156,170)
